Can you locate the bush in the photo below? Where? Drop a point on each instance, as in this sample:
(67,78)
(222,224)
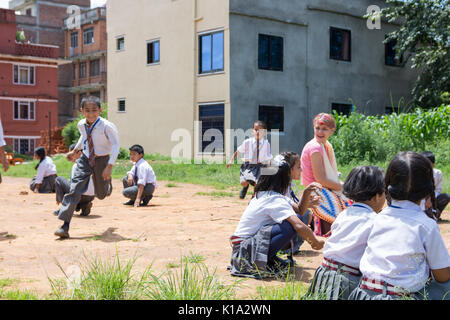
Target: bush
(123,154)
(378,138)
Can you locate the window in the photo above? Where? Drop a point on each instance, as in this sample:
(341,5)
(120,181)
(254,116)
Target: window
(389,54)
(342,108)
(270,52)
(388,110)
(88,36)
(24,110)
(74,40)
(211,52)
(212,119)
(273,117)
(94,67)
(82,70)
(121,105)
(24,146)
(152,52)
(28,12)
(120,42)
(340,44)
(74,72)
(23,75)
(74,101)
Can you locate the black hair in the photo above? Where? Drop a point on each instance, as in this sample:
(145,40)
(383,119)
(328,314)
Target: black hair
(291,157)
(260,123)
(137,148)
(363,183)
(274,179)
(409,176)
(91,99)
(429,155)
(72,146)
(40,152)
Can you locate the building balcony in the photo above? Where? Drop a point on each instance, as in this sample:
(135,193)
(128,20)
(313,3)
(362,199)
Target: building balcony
(89,83)
(75,22)
(37,50)
(19,4)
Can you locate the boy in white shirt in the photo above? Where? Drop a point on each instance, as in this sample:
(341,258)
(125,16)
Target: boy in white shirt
(62,186)
(140,182)
(405,246)
(256,152)
(99,141)
(3,159)
(339,274)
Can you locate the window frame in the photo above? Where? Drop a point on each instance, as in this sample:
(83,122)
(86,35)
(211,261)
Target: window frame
(151,42)
(91,62)
(84,76)
(270,37)
(119,100)
(86,31)
(118,38)
(72,34)
(199,39)
(31,105)
(399,63)
(349,43)
(200,134)
(29,68)
(341,104)
(282,107)
(17,140)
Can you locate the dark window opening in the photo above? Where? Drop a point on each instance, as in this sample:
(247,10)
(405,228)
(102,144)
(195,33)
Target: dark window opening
(273,117)
(390,58)
(212,117)
(340,44)
(342,108)
(152,52)
(270,52)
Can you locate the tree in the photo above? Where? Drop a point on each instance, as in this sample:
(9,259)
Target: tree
(423,37)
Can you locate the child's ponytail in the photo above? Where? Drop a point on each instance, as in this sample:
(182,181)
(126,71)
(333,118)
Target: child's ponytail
(40,152)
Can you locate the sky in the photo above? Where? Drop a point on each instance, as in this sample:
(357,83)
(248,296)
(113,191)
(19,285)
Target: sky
(94,3)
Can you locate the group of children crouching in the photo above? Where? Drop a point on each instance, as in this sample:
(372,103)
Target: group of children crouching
(93,155)
(372,253)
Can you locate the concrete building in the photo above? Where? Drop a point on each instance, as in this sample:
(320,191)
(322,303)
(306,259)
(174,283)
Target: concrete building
(86,46)
(28,87)
(228,63)
(43,23)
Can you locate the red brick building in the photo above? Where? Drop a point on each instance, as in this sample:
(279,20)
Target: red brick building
(86,47)
(28,87)
(43,23)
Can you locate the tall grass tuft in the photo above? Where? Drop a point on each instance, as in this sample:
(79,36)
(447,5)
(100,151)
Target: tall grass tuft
(193,281)
(100,280)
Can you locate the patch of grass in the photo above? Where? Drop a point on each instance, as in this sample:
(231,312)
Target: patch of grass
(193,281)
(171,265)
(94,238)
(216,194)
(7,282)
(16,294)
(194,258)
(100,280)
(172,185)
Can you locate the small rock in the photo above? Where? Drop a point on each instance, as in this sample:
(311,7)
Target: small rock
(23,193)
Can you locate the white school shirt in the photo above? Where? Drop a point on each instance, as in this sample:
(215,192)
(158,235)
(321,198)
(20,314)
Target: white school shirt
(349,233)
(268,208)
(403,246)
(46,168)
(2,137)
(249,149)
(90,190)
(104,136)
(145,173)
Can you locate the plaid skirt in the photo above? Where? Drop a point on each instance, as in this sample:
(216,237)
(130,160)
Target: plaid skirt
(332,285)
(249,257)
(250,172)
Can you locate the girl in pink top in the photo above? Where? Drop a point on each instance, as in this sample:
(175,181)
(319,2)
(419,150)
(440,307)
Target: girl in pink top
(319,163)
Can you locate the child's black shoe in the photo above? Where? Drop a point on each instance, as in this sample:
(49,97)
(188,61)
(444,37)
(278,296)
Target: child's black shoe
(85,210)
(129,203)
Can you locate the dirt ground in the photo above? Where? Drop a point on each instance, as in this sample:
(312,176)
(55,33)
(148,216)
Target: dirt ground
(177,222)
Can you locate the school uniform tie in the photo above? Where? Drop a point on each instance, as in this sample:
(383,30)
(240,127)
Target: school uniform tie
(135,177)
(89,130)
(257,151)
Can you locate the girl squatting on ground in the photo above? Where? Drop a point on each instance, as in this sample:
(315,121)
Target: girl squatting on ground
(44,180)
(269,223)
